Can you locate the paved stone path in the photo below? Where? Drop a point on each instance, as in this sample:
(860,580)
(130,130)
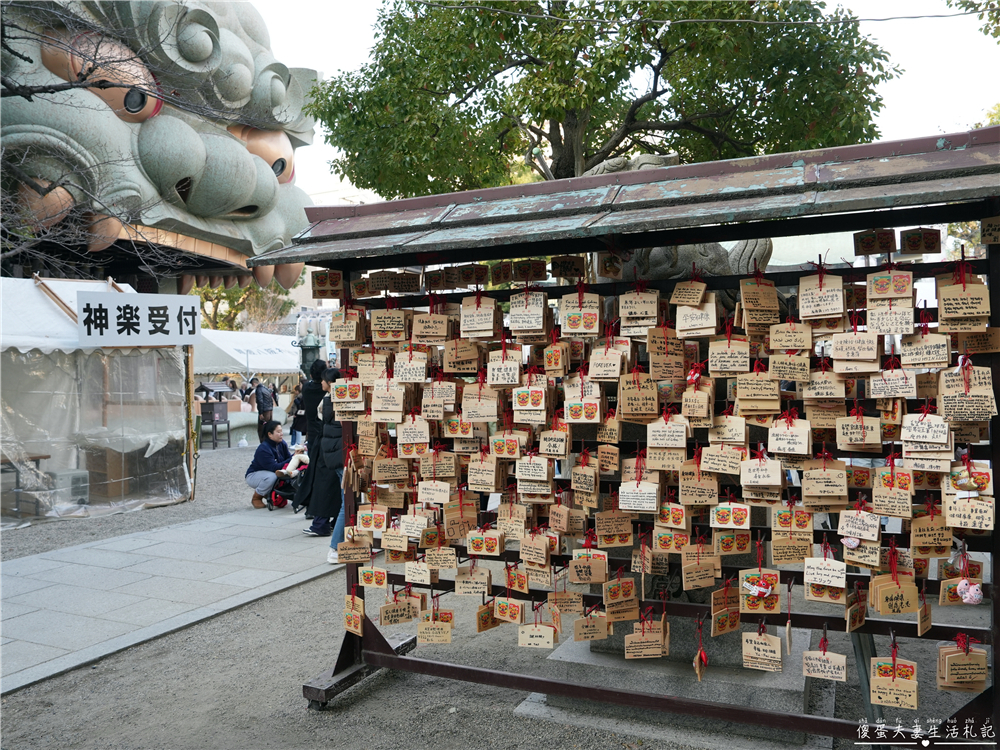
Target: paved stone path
(71,606)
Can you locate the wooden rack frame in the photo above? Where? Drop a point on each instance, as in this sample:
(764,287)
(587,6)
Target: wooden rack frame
(360,656)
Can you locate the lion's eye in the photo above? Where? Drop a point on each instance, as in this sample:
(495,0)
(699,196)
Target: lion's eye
(106,59)
(135,100)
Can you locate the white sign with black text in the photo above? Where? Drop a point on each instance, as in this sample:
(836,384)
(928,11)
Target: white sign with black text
(115,319)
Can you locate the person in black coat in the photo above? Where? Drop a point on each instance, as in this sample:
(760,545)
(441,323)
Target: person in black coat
(297,411)
(312,397)
(326,496)
(265,406)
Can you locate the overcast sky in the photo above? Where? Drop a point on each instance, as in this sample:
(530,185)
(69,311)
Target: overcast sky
(950,69)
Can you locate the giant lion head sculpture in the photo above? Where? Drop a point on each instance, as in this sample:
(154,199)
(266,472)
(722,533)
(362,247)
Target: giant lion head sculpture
(169,124)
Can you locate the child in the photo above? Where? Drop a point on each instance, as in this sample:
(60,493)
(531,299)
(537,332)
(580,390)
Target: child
(299,458)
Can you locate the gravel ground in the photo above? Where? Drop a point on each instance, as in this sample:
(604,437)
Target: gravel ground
(235,681)
(220,489)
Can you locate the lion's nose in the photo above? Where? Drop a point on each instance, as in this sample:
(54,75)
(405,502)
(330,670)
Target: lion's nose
(207,174)
(273,146)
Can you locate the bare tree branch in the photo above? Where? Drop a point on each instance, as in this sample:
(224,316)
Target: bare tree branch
(535,162)
(61,244)
(12,88)
(654,93)
(7,48)
(650,126)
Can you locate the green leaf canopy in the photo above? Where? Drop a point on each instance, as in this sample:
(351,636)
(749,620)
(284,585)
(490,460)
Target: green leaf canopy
(455,92)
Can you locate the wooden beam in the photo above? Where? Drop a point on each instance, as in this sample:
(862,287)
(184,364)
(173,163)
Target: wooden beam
(50,293)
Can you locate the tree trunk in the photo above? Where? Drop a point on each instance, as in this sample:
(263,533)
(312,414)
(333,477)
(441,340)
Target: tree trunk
(563,166)
(579,164)
(563,154)
(568,159)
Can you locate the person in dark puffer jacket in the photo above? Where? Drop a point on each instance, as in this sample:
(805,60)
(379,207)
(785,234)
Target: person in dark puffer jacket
(265,406)
(268,463)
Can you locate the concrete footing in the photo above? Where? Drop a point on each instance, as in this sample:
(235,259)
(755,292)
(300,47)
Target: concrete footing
(786,691)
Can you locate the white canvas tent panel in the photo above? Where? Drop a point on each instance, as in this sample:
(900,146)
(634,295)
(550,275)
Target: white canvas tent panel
(238,351)
(114,417)
(32,320)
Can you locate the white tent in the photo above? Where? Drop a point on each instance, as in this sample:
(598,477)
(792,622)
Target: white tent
(222,352)
(84,430)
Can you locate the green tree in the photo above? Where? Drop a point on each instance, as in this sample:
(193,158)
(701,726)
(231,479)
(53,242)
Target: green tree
(455,92)
(992,117)
(988,12)
(249,309)
(220,307)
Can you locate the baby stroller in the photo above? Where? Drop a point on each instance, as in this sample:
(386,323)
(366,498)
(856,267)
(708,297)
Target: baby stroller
(285,489)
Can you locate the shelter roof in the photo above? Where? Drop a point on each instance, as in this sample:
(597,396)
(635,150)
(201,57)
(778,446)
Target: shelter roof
(222,352)
(805,192)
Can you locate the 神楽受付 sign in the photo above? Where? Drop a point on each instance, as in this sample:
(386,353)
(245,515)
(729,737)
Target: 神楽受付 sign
(115,319)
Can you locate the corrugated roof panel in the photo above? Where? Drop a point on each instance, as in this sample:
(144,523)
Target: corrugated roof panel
(525,207)
(911,167)
(928,192)
(657,218)
(864,178)
(361,247)
(375,224)
(695,189)
(489,235)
